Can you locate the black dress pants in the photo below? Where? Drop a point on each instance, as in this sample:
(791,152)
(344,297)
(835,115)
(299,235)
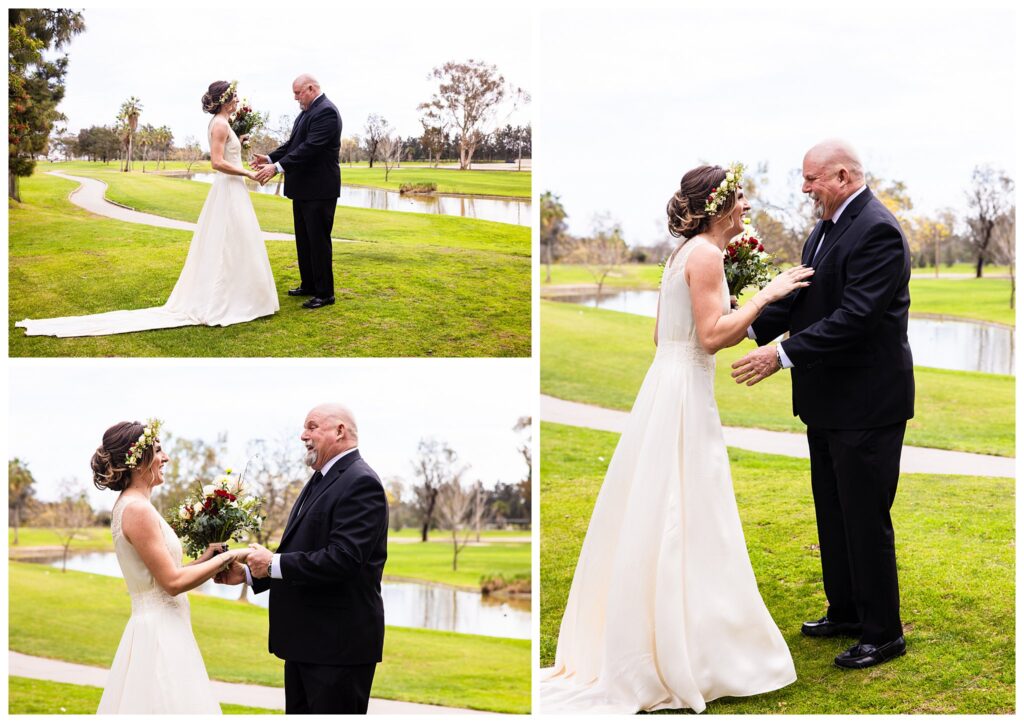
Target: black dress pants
(310,688)
(314,221)
(854,474)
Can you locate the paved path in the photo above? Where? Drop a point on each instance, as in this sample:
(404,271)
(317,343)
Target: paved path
(91,196)
(255,696)
(914,459)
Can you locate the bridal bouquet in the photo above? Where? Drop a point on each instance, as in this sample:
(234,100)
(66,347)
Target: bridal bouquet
(245,120)
(221,511)
(746,262)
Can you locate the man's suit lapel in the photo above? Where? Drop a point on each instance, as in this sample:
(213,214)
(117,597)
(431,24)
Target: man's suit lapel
(842,225)
(302,118)
(311,499)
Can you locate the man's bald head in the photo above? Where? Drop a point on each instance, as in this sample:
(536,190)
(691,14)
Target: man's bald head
(832,173)
(305,88)
(329,430)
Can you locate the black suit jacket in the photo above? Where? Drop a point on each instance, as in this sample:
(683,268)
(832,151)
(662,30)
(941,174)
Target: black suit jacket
(310,155)
(852,367)
(327,609)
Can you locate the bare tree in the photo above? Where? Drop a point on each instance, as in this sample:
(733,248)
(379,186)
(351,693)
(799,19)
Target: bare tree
(435,465)
(1005,243)
(376,128)
(390,149)
(467,98)
(277,474)
(454,506)
(191,152)
(603,252)
(69,515)
(989,197)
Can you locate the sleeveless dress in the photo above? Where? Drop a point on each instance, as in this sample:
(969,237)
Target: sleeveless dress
(226,278)
(664,610)
(158,667)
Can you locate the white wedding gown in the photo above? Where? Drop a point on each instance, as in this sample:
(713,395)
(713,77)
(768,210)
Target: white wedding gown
(226,278)
(158,667)
(664,611)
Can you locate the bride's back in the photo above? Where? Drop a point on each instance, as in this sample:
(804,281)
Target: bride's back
(142,586)
(675,313)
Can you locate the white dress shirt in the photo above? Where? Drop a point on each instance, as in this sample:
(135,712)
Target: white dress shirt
(275,561)
(783,357)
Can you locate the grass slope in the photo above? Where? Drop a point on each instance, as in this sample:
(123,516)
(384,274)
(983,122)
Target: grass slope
(79,617)
(402,295)
(955,548)
(600,357)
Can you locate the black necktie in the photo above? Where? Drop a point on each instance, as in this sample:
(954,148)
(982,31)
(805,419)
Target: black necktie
(826,226)
(309,490)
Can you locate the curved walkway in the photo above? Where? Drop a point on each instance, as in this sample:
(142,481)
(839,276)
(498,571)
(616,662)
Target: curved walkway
(255,696)
(923,460)
(92,196)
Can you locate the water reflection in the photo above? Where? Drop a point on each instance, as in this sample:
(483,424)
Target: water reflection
(406,604)
(489,209)
(941,343)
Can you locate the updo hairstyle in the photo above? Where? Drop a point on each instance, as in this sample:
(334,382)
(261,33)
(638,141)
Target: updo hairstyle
(109,470)
(211,98)
(686,214)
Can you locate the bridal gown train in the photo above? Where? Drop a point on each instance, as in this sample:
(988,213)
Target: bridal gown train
(664,611)
(158,667)
(226,278)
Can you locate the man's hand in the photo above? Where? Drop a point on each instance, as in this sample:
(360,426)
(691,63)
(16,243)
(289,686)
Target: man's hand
(259,560)
(755,366)
(265,173)
(234,575)
(258,159)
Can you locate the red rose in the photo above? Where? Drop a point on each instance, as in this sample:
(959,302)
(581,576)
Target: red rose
(760,247)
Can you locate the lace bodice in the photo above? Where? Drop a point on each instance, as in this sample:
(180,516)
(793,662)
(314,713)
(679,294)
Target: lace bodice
(677,330)
(146,593)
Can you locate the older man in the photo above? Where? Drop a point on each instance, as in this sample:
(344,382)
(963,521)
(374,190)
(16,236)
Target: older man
(853,386)
(326,611)
(309,160)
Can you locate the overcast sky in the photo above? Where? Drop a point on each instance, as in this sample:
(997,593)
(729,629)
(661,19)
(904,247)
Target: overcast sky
(631,99)
(367,58)
(59,411)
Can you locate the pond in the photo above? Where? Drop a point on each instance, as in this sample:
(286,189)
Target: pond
(971,346)
(503,210)
(406,604)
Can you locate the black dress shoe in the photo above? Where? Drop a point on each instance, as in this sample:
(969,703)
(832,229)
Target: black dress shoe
(825,628)
(864,655)
(316,302)
(299,291)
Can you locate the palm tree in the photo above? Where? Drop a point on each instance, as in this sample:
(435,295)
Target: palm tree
(129,120)
(20,492)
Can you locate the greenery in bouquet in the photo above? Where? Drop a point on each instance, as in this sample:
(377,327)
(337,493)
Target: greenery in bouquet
(221,511)
(746,262)
(245,120)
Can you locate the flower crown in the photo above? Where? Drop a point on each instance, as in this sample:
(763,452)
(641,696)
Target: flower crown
(229,93)
(145,440)
(727,186)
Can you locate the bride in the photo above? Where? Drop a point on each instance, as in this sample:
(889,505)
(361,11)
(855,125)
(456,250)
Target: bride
(664,611)
(158,667)
(226,278)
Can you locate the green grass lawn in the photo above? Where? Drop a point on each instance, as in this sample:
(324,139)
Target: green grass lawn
(413,533)
(480,183)
(963,268)
(45,697)
(600,357)
(79,617)
(955,549)
(417,285)
(428,562)
(980,299)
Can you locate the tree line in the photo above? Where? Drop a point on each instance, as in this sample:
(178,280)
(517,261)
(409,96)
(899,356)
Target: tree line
(983,233)
(437,497)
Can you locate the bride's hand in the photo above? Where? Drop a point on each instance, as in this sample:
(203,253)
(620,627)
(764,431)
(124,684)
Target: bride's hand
(240,554)
(786,283)
(244,138)
(213,549)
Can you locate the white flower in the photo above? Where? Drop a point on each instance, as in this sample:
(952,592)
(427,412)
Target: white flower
(730,176)
(208,490)
(222,481)
(183,512)
(142,438)
(197,507)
